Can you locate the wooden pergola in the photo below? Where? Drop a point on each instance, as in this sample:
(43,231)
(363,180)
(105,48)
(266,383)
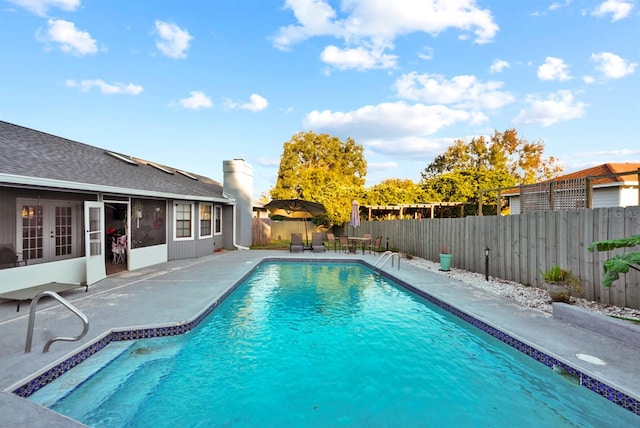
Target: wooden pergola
(424,210)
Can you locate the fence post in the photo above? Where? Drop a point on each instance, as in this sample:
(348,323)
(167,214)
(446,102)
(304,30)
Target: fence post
(639,186)
(589,197)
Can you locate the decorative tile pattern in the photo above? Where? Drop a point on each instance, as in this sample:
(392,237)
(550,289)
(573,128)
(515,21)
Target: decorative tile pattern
(594,385)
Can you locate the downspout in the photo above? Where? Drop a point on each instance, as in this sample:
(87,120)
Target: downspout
(239,247)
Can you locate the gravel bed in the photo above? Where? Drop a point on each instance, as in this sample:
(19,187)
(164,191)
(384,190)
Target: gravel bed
(532,297)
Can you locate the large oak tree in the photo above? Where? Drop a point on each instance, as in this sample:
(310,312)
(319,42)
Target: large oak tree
(322,168)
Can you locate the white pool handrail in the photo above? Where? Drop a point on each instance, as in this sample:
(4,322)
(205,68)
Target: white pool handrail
(384,258)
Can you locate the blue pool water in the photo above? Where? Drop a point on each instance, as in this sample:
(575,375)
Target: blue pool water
(313,345)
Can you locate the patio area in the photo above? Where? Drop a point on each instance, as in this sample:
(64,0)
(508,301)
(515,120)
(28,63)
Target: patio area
(176,291)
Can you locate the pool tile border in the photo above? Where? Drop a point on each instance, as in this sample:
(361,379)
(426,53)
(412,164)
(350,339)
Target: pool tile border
(597,386)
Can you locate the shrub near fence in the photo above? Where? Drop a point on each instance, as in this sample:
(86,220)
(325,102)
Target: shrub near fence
(523,245)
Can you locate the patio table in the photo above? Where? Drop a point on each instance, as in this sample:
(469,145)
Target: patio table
(354,242)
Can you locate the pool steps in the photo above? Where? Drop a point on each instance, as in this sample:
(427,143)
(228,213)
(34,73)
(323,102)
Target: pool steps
(140,358)
(55,391)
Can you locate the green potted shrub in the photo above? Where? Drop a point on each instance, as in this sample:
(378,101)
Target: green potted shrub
(445,258)
(561,283)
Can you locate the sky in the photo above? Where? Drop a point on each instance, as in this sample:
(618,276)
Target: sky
(192,83)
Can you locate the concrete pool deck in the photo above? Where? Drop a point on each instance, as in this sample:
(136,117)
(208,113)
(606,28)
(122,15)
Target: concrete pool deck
(178,290)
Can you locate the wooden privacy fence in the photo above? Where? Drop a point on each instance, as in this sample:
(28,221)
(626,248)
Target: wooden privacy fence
(520,246)
(265,229)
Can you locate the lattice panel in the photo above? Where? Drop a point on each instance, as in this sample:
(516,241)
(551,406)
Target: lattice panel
(567,195)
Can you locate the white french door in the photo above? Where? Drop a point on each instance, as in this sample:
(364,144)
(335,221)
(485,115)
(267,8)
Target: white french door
(47,230)
(94,241)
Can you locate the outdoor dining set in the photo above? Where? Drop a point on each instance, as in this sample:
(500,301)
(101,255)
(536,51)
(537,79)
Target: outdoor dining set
(348,244)
(304,210)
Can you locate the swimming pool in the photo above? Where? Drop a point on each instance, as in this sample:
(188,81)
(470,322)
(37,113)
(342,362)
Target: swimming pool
(332,344)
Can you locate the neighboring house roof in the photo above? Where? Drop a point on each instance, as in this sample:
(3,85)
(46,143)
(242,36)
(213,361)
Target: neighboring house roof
(30,157)
(597,171)
(605,169)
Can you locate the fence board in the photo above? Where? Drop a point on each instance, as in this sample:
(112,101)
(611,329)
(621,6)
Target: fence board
(522,245)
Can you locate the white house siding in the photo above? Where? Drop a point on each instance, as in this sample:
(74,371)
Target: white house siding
(147,256)
(514,205)
(629,197)
(70,271)
(604,197)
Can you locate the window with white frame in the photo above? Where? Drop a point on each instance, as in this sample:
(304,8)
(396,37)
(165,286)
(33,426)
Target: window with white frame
(183,224)
(217,219)
(206,219)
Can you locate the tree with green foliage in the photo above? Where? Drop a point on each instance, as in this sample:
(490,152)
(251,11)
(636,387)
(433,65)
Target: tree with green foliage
(322,168)
(504,160)
(394,191)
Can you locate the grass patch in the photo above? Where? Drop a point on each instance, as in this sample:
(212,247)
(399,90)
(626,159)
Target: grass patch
(273,245)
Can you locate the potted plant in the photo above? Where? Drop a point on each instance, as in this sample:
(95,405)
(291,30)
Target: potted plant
(445,258)
(561,283)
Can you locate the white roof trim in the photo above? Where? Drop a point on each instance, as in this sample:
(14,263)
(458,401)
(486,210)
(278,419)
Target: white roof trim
(71,185)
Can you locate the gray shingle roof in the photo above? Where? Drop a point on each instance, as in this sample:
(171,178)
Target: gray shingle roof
(26,152)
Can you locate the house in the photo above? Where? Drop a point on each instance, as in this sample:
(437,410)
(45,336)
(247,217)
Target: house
(600,186)
(74,212)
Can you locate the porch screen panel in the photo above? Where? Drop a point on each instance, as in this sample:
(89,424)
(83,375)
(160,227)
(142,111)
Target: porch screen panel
(148,225)
(63,237)
(32,232)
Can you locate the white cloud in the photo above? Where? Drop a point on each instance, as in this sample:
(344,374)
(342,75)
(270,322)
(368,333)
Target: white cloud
(461,91)
(358,58)
(69,39)
(404,147)
(553,69)
(391,120)
(173,41)
(558,5)
(557,107)
(588,79)
(256,103)
(105,88)
(623,154)
(498,65)
(612,66)
(374,25)
(381,166)
(196,101)
(41,7)
(618,9)
(426,53)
